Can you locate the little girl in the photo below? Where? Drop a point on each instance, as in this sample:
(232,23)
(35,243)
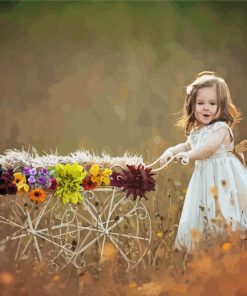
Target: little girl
(218,188)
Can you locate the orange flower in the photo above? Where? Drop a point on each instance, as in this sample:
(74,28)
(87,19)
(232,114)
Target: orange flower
(109,252)
(37,194)
(226,246)
(6,278)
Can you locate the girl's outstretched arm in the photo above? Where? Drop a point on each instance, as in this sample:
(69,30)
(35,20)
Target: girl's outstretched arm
(170,152)
(182,147)
(211,144)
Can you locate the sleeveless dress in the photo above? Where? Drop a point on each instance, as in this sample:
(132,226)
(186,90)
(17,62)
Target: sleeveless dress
(216,195)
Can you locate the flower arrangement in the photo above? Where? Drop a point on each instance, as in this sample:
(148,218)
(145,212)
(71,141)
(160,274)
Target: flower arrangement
(68,180)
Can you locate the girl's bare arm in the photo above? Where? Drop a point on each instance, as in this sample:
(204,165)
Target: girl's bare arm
(182,147)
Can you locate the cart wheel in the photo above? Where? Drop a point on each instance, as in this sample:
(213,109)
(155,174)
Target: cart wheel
(44,232)
(107,216)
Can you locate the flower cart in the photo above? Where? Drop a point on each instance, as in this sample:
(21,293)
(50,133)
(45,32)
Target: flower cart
(65,209)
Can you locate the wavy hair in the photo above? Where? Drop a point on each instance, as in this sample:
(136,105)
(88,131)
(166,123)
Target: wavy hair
(228,111)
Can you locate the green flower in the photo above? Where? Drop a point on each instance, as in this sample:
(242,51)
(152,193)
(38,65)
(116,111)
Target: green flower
(69,178)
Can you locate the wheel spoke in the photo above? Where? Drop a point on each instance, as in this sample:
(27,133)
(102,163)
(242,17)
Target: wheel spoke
(41,213)
(90,243)
(129,236)
(97,218)
(12,206)
(12,223)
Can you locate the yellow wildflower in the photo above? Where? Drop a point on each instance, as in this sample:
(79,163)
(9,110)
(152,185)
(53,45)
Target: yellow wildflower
(159,234)
(20,182)
(100,176)
(107,172)
(132,285)
(94,170)
(105,180)
(96,179)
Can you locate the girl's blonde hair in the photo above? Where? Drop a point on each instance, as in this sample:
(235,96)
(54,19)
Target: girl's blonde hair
(228,111)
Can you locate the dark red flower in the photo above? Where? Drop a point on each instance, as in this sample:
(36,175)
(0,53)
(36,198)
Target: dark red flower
(52,184)
(88,184)
(6,186)
(3,189)
(3,180)
(9,175)
(117,179)
(11,189)
(137,181)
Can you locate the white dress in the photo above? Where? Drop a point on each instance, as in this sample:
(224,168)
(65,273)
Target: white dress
(217,192)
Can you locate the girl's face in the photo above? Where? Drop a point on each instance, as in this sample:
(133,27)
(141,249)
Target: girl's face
(206,105)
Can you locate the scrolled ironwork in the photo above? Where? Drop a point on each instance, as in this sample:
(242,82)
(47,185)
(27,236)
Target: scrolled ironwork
(77,234)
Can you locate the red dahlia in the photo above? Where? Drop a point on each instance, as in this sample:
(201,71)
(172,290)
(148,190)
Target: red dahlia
(137,181)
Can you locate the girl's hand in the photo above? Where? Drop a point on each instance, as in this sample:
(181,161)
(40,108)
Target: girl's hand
(241,147)
(183,158)
(166,156)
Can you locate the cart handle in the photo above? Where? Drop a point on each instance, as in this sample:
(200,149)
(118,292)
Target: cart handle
(163,166)
(184,161)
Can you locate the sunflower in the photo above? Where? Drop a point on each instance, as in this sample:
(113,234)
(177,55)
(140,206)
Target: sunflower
(20,182)
(37,194)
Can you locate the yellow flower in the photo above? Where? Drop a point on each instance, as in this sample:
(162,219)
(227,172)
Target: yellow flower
(159,234)
(132,285)
(100,176)
(94,170)
(96,179)
(55,278)
(20,182)
(105,180)
(19,178)
(107,172)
